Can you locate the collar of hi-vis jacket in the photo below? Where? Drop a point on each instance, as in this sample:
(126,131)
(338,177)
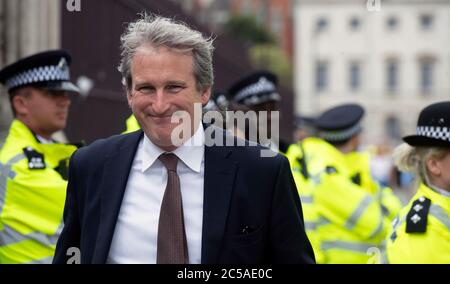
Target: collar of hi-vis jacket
(53,153)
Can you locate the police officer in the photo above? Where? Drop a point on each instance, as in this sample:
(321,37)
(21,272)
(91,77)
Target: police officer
(258,92)
(345,213)
(33,166)
(421,232)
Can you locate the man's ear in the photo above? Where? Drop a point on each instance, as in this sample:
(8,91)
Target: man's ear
(206,94)
(19,103)
(129,97)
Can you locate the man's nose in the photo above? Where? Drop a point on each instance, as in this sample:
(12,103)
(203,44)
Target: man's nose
(160,105)
(62,99)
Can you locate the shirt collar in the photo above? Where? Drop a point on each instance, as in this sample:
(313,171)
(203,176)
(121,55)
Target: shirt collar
(42,140)
(191,152)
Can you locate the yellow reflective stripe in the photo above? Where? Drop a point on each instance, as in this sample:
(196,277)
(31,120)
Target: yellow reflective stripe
(25,252)
(9,236)
(353,219)
(439,213)
(47,260)
(356,247)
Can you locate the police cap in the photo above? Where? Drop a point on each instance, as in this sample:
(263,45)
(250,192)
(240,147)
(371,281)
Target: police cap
(340,123)
(433,127)
(49,70)
(256,88)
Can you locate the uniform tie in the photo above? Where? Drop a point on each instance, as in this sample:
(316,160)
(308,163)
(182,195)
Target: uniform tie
(172,244)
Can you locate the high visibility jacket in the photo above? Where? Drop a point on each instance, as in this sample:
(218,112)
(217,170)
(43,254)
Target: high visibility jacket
(32,196)
(421,233)
(359,166)
(347,220)
(295,155)
(132,124)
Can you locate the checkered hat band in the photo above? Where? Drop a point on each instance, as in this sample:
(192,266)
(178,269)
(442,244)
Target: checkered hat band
(436,132)
(340,135)
(262,86)
(39,74)
(260,98)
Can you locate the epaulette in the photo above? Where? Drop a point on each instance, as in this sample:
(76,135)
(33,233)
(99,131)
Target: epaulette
(331,170)
(416,219)
(35,159)
(356,179)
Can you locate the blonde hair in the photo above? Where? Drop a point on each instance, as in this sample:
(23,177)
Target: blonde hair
(413,159)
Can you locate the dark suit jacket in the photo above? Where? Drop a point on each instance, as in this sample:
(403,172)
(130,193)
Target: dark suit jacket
(251,211)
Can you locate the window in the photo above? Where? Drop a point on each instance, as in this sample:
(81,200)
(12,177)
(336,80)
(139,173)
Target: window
(392,23)
(392,75)
(426,75)
(426,21)
(393,128)
(355,23)
(321,76)
(321,24)
(355,76)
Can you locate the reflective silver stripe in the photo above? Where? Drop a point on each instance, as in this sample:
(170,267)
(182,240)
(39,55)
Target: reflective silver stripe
(379,228)
(47,260)
(351,222)
(384,258)
(439,213)
(358,247)
(310,226)
(5,173)
(322,221)
(16,158)
(306,199)
(10,236)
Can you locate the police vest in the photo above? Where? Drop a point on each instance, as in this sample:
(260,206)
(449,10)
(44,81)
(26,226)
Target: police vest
(348,220)
(132,124)
(32,196)
(421,233)
(359,166)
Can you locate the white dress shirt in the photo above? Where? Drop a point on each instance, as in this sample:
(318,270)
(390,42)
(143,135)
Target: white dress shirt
(136,233)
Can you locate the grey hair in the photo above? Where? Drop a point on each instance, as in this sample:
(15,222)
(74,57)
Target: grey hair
(413,159)
(158,31)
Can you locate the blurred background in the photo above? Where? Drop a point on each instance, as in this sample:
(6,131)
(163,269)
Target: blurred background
(391,56)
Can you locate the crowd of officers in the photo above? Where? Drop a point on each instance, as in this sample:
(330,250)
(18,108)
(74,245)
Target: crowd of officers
(348,216)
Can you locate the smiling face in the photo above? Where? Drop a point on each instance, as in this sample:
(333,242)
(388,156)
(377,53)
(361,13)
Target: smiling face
(163,82)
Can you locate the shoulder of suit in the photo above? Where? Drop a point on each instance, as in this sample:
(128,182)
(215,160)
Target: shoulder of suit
(105,146)
(417,217)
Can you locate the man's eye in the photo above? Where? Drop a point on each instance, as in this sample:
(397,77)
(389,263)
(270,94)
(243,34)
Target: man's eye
(174,88)
(145,89)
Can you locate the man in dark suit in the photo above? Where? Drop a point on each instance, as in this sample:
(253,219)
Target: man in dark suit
(161,195)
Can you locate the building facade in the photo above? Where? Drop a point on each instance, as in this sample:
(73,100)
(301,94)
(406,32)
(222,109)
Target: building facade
(26,27)
(393,57)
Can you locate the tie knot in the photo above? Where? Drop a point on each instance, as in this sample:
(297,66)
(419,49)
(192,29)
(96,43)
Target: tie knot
(169,160)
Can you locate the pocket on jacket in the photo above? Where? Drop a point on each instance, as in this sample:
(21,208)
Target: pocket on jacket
(245,239)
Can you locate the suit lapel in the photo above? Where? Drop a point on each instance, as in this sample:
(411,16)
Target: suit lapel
(112,188)
(220,172)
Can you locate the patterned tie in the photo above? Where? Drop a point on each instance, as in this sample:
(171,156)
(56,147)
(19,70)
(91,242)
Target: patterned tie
(172,245)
